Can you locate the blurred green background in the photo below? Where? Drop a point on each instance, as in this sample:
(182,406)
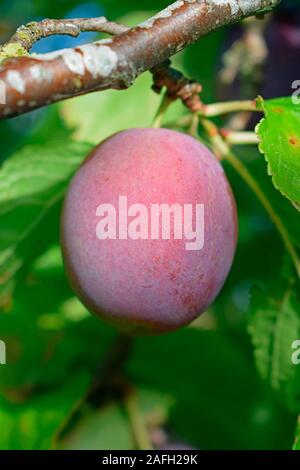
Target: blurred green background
(198,387)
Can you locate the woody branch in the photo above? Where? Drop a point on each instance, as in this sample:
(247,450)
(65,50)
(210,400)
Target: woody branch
(33,81)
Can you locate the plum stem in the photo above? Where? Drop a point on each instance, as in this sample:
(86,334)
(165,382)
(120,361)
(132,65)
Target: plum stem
(163,107)
(223,150)
(110,369)
(193,129)
(218,109)
(239,138)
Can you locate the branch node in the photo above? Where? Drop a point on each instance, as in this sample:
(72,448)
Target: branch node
(178,86)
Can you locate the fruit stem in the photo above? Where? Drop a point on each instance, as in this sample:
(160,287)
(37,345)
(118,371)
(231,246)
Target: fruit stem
(164,105)
(223,151)
(217,109)
(239,138)
(193,129)
(138,425)
(184,121)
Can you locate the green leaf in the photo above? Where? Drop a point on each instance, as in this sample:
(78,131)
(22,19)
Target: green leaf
(279,134)
(36,423)
(32,185)
(97,116)
(48,331)
(274,324)
(219,402)
(110,428)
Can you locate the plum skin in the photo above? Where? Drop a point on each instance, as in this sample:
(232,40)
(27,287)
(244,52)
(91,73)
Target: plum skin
(148,286)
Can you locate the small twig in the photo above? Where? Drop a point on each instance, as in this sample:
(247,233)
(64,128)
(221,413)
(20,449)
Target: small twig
(297,437)
(138,425)
(26,36)
(223,150)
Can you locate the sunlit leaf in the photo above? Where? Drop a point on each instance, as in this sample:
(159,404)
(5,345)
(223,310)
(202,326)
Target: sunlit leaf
(279,134)
(274,325)
(35,423)
(32,185)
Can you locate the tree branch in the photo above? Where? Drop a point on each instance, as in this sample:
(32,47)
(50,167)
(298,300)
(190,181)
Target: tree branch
(26,36)
(31,82)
